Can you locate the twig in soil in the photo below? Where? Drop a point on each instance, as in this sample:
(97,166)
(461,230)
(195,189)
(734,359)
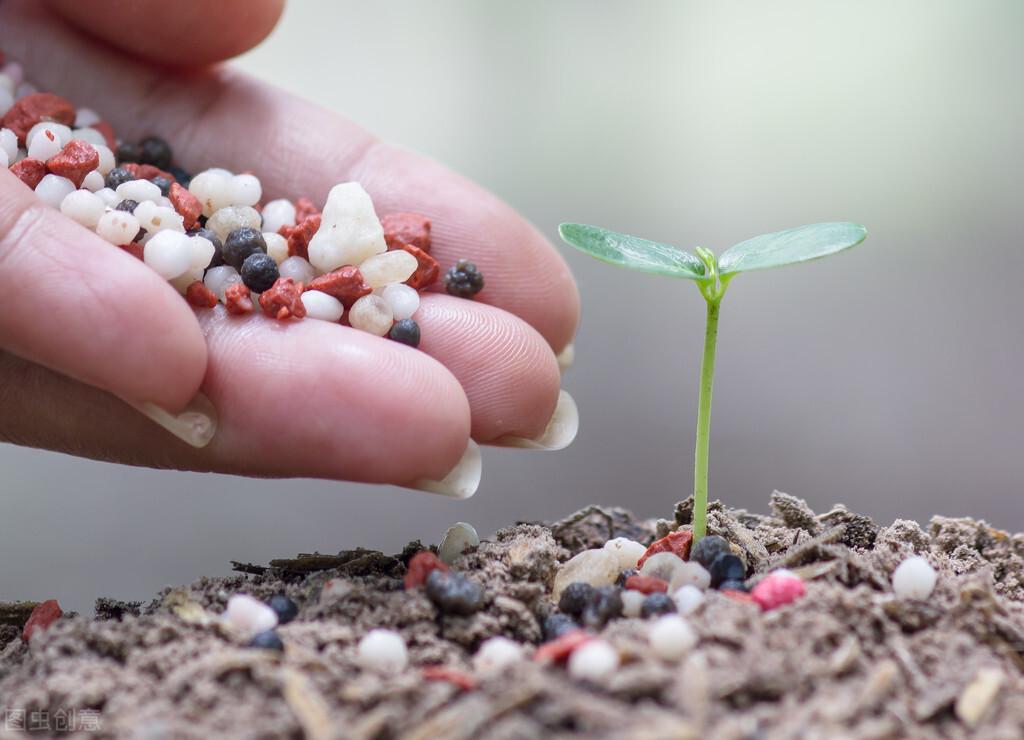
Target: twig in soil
(248,568)
(16,613)
(308,705)
(810,549)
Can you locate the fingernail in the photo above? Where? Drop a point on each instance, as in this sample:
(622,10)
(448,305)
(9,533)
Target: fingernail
(195,425)
(566,357)
(558,435)
(461,481)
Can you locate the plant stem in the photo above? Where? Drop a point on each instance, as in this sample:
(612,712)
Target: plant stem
(700,455)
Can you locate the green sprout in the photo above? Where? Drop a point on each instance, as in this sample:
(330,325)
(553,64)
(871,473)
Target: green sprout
(712,276)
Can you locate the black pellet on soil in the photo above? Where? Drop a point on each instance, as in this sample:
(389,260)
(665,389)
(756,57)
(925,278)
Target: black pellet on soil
(709,548)
(285,608)
(575,598)
(657,603)
(453,593)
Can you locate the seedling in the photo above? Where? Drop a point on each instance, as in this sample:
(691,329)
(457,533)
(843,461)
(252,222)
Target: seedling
(712,276)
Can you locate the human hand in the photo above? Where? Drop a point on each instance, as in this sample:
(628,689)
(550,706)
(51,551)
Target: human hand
(86,327)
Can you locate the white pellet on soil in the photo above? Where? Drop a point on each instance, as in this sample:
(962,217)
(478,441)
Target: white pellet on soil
(154,218)
(60,132)
(671,637)
(106,158)
(663,565)
(382,650)
(53,189)
(213,189)
(297,269)
(404,301)
(914,578)
(460,537)
(117,227)
(88,135)
(248,616)
(390,267)
(350,232)
(371,314)
(219,279)
(93,182)
(86,117)
(496,654)
(690,573)
(229,218)
(9,143)
(278,213)
(598,567)
(168,254)
(138,190)
(245,190)
(688,598)
(319,305)
(632,602)
(277,246)
(593,661)
(109,197)
(626,551)
(6,100)
(44,146)
(202,251)
(83,207)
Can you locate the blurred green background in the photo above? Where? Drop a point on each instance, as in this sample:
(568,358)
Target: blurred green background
(887,378)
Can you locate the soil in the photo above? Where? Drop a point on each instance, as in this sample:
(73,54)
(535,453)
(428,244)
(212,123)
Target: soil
(849,660)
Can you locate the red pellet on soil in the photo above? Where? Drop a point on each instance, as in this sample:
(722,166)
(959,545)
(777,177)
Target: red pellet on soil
(29,171)
(463,680)
(778,589)
(147,171)
(298,236)
(41,617)
(428,270)
(346,284)
(186,204)
(740,596)
(32,109)
(562,647)
(237,299)
(76,160)
(304,208)
(283,300)
(135,250)
(406,228)
(198,295)
(421,565)
(676,542)
(646,584)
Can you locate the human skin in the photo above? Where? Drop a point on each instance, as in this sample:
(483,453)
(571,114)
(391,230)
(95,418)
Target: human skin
(94,328)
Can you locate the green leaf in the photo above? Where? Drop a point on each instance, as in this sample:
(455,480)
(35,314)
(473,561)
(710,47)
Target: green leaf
(790,246)
(632,252)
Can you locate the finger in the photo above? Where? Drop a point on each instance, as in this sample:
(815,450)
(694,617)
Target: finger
(507,370)
(297,148)
(183,34)
(83,307)
(317,400)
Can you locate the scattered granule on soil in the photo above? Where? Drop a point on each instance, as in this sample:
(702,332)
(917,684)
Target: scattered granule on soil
(849,659)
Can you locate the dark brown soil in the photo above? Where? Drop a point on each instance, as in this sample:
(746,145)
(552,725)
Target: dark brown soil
(848,661)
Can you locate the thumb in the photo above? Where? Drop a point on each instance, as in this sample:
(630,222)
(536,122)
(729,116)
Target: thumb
(86,308)
(180,34)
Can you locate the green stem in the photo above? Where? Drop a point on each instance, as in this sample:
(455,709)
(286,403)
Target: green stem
(700,455)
